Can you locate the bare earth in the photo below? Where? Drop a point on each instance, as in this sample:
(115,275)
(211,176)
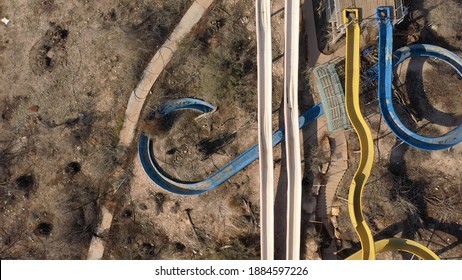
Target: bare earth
(68,69)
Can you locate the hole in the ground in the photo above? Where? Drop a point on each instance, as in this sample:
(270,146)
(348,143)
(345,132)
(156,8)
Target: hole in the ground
(73,168)
(63,33)
(127,213)
(172,151)
(48,62)
(148,249)
(7,241)
(25,183)
(247,218)
(44,229)
(180,246)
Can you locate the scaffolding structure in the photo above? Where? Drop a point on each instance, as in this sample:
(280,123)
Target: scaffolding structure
(332,97)
(334,10)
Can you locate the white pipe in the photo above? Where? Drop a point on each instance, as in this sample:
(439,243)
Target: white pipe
(294,178)
(264,66)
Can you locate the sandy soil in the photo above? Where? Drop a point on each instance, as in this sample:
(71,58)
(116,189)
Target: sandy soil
(67,70)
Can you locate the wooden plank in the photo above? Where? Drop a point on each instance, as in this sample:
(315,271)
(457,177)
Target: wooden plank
(368,7)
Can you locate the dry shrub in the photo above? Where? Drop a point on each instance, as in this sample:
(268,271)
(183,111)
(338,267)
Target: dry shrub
(132,237)
(389,199)
(444,204)
(149,23)
(82,205)
(217,63)
(317,158)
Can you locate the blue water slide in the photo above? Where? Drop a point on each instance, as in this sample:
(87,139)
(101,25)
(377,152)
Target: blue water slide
(155,172)
(389,60)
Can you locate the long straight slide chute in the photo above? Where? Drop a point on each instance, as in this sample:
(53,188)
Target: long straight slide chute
(265,141)
(293,155)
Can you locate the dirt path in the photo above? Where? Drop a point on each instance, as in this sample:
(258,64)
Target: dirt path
(338,144)
(338,165)
(136,102)
(155,68)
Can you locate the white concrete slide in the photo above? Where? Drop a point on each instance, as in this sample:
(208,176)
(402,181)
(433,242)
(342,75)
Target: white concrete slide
(293,156)
(265,130)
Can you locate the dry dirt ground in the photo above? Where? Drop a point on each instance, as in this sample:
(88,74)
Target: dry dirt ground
(67,70)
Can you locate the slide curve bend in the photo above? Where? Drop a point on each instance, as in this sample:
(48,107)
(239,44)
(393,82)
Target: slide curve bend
(155,172)
(385,92)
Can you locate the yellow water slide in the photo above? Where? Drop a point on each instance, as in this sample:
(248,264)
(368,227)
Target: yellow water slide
(399,244)
(352,81)
(352,85)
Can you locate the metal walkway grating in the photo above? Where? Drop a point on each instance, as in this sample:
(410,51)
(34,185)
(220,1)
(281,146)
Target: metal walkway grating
(332,97)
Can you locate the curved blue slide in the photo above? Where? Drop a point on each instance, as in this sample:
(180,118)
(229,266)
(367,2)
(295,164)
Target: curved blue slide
(389,60)
(155,172)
